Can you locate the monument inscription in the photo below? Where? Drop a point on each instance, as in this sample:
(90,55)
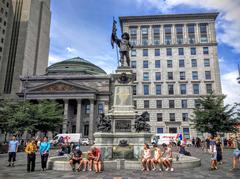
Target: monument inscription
(123,125)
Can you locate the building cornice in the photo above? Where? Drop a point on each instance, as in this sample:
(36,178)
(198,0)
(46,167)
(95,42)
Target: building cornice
(63,77)
(167,17)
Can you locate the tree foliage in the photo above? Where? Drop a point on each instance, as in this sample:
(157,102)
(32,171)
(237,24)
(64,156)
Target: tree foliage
(19,116)
(211,116)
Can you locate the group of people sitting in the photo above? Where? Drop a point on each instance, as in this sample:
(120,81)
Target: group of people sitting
(161,158)
(85,163)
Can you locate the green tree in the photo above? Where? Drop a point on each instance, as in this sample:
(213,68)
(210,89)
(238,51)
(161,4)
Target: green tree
(211,116)
(48,116)
(19,116)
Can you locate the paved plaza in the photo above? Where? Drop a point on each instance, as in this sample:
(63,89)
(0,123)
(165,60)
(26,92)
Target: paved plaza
(19,171)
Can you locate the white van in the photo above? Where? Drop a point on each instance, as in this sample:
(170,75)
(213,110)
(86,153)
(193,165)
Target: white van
(165,138)
(70,138)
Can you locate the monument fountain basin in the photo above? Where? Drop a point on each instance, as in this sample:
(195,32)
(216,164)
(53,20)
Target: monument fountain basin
(61,163)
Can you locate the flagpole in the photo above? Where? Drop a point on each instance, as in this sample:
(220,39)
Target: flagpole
(117,55)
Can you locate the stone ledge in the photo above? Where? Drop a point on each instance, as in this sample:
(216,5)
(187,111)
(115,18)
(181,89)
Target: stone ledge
(57,163)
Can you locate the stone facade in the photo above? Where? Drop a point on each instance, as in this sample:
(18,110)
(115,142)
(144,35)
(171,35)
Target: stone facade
(26,44)
(81,87)
(175,61)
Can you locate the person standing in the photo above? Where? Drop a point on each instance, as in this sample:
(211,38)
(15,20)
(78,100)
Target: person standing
(193,142)
(213,152)
(31,150)
(44,152)
(12,150)
(236,154)
(219,148)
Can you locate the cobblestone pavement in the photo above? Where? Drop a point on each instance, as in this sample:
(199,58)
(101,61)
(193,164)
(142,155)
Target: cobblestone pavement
(19,171)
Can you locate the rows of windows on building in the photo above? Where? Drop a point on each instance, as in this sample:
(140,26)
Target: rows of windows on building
(171,104)
(183,90)
(170,33)
(169,52)
(182,76)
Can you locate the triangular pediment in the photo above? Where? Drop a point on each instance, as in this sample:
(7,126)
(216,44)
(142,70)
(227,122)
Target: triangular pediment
(61,86)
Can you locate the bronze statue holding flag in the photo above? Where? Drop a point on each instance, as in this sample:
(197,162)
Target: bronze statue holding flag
(123,44)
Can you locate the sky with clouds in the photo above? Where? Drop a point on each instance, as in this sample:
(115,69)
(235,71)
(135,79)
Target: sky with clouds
(83,27)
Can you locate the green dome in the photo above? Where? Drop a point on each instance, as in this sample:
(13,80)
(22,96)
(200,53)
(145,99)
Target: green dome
(75,65)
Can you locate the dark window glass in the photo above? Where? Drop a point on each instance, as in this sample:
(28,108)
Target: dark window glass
(145,64)
(184,103)
(183,88)
(208,75)
(146,89)
(169,64)
(159,103)
(146,103)
(185,117)
(159,117)
(193,51)
(134,90)
(180,51)
(182,75)
(181,63)
(170,89)
(157,63)
(133,64)
(195,88)
(206,62)
(209,88)
(171,104)
(158,76)
(197,103)
(170,75)
(145,52)
(172,116)
(100,108)
(195,75)
(159,130)
(145,76)
(158,89)
(194,62)
(205,50)
(157,52)
(169,52)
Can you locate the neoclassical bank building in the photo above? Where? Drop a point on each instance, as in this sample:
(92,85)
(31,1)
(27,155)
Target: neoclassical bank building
(82,87)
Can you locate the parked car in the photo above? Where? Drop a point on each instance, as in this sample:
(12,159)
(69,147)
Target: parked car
(85,141)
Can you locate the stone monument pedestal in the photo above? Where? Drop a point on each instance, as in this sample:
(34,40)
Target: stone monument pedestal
(108,141)
(123,141)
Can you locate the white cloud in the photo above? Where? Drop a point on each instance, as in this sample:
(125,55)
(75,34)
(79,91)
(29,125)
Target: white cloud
(228,21)
(70,50)
(221,59)
(53,59)
(231,87)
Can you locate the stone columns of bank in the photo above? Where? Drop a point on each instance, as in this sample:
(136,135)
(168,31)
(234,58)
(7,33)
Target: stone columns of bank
(65,116)
(78,119)
(91,118)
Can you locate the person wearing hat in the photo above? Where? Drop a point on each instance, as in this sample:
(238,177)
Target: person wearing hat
(76,157)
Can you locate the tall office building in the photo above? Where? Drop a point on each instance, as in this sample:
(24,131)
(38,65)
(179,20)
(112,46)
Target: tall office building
(175,60)
(24,46)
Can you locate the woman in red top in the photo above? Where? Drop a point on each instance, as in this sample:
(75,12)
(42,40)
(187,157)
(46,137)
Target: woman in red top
(96,153)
